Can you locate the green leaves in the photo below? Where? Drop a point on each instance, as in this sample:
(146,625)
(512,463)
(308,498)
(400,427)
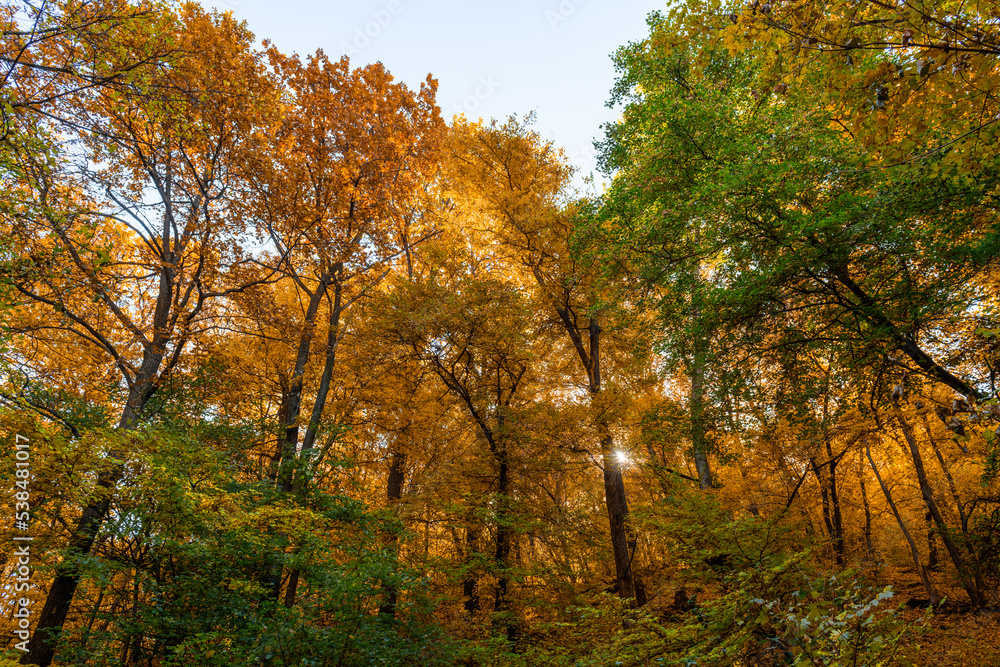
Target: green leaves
(800,245)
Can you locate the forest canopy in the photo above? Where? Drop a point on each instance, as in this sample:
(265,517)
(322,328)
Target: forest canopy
(296,371)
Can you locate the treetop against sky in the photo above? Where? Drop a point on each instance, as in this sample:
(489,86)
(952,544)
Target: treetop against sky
(491,59)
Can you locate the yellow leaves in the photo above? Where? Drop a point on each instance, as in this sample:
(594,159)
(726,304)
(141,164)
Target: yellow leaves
(245,587)
(926,51)
(296,522)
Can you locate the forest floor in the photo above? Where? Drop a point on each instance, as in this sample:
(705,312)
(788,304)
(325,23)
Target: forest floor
(956,636)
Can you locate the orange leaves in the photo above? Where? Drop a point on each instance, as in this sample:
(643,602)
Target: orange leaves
(350,153)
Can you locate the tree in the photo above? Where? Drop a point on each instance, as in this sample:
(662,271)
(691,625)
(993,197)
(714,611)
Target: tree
(521,183)
(337,185)
(475,334)
(907,80)
(125,242)
(810,255)
(71,49)
(798,226)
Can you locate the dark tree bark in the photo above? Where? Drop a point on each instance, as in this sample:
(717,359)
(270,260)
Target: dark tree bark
(832,514)
(699,432)
(41,648)
(952,487)
(393,494)
(932,552)
(914,554)
(501,605)
(867,508)
(969,583)
(284,468)
(296,484)
(838,519)
(329,364)
(470,586)
(824,493)
(614,483)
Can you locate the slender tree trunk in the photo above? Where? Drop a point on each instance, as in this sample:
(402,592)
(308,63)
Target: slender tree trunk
(832,514)
(291,587)
(393,494)
(323,391)
(968,582)
(699,434)
(41,648)
(293,406)
(867,508)
(614,483)
(614,493)
(296,484)
(471,584)
(823,487)
(838,518)
(963,518)
(932,552)
(283,467)
(924,575)
(825,497)
(501,604)
(282,419)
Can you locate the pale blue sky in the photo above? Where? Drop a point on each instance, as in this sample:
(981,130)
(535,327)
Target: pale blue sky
(491,59)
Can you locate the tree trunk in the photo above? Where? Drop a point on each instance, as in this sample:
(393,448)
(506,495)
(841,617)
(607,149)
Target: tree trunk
(932,552)
(284,468)
(968,582)
(41,648)
(470,585)
(838,518)
(393,494)
(963,518)
(867,508)
(699,436)
(614,493)
(501,604)
(824,494)
(323,391)
(924,576)
(832,515)
(614,483)
(296,484)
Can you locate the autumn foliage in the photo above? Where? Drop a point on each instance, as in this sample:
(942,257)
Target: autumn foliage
(312,375)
